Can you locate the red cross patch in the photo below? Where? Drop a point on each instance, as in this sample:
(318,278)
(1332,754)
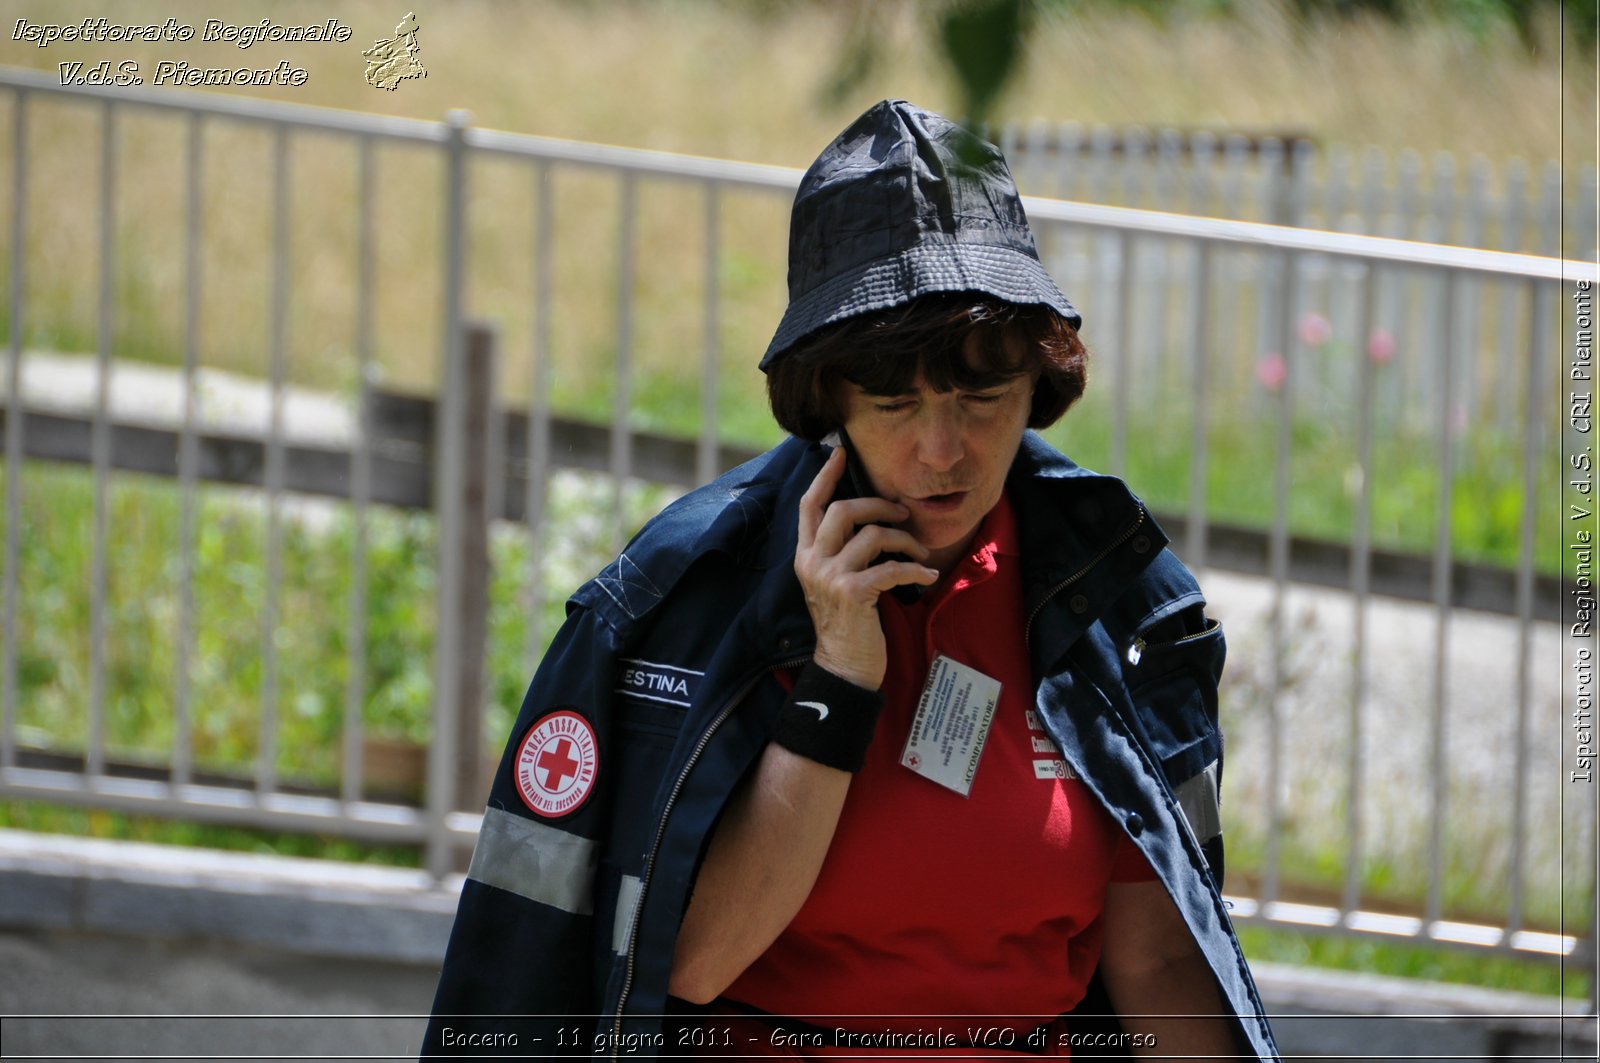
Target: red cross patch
(557,763)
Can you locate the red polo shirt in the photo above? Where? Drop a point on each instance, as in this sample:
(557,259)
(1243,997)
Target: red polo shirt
(934,904)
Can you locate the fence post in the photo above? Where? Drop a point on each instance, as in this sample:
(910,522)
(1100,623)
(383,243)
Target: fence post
(10,579)
(477,494)
(447,467)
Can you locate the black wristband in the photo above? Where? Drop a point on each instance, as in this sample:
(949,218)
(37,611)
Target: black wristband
(828,719)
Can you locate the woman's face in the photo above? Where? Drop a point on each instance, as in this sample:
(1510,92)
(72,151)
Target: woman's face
(942,455)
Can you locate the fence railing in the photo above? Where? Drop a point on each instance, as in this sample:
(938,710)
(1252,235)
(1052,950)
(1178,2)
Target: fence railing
(1225,327)
(1288,178)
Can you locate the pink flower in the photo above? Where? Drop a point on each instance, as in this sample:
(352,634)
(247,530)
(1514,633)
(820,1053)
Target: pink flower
(1272,370)
(1380,346)
(1315,330)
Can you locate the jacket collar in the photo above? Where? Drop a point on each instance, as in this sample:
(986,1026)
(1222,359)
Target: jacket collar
(1084,537)
(1085,540)
(1079,528)
(782,622)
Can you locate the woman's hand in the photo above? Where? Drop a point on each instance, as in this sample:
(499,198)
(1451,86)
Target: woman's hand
(767,849)
(833,560)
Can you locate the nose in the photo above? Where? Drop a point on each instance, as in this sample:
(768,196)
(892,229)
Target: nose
(939,438)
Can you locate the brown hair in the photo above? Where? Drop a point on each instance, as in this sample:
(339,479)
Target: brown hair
(882,352)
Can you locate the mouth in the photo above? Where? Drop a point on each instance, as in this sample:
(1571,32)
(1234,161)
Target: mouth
(941,503)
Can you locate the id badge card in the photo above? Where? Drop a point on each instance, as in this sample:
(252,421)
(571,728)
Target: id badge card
(952,724)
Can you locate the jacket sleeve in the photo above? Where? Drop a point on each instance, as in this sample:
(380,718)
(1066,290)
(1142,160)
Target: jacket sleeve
(1171,663)
(1172,670)
(520,969)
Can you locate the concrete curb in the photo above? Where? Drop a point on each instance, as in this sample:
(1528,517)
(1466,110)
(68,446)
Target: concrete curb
(315,907)
(75,887)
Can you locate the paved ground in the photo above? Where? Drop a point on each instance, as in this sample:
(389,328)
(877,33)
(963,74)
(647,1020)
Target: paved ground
(1478,745)
(122,950)
(81,976)
(163,999)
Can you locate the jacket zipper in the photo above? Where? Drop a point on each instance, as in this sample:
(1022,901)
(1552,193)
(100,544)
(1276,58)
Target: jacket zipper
(661,828)
(1136,650)
(1027,629)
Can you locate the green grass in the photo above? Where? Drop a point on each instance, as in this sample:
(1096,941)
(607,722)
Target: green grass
(99,823)
(1474,886)
(1323,474)
(1370,955)
(229,595)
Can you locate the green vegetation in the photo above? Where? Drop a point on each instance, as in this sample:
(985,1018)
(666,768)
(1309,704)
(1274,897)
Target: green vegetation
(228,585)
(1371,955)
(1324,474)
(98,823)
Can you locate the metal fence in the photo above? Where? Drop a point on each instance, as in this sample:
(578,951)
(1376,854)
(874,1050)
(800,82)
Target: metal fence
(1220,322)
(1287,178)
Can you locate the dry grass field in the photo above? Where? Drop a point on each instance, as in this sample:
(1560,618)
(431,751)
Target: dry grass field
(751,81)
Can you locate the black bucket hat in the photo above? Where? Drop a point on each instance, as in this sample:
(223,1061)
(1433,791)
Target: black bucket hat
(902,204)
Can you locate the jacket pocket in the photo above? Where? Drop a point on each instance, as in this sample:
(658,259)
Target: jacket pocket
(1171,672)
(646,732)
(648,722)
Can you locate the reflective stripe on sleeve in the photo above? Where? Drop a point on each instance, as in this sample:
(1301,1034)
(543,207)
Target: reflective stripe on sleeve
(536,861)
(627,906)
(1198,798)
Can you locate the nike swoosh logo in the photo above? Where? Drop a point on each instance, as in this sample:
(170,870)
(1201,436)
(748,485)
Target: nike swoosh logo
(822,710)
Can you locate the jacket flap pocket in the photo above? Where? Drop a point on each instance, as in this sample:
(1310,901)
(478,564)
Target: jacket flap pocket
(1171,672)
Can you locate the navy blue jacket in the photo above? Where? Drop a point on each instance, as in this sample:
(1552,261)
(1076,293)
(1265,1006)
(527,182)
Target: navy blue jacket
(668,653)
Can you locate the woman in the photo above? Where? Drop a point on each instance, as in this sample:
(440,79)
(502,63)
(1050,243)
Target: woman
(911,747)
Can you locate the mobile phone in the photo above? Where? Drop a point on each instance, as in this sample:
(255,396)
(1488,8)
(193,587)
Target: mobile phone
(857,484)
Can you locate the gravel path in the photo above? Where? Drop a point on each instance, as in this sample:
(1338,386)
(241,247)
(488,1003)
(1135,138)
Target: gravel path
(1480,725)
